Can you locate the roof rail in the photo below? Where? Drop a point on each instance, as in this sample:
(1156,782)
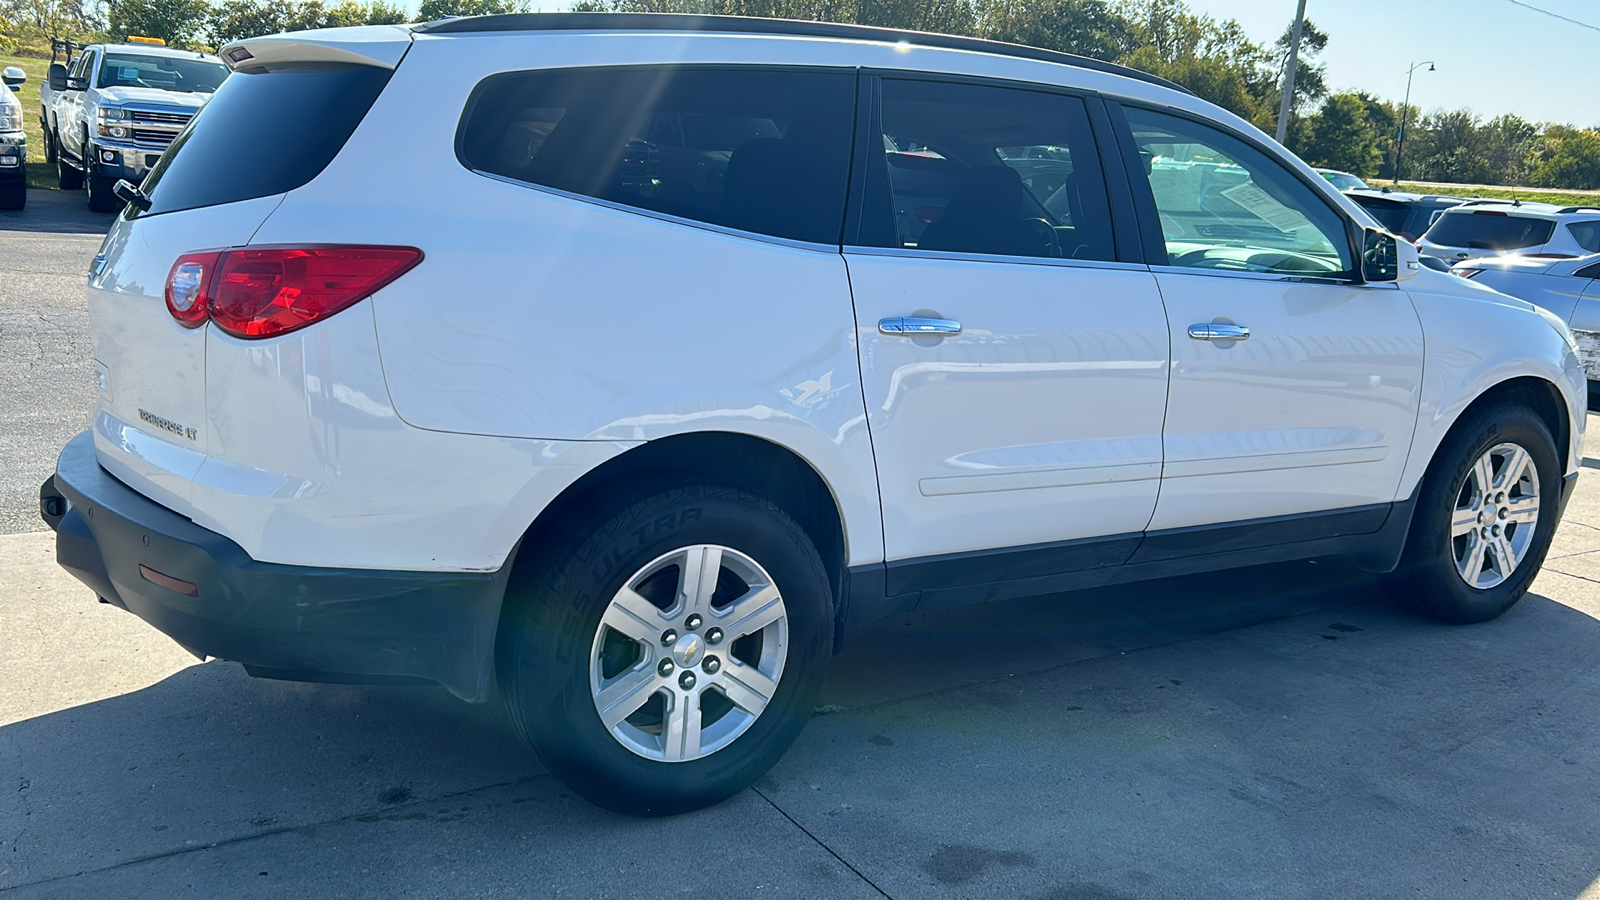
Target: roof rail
(1573,209)
(752,25)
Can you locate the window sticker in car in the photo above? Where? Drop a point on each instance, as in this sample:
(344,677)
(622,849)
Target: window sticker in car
(1265,207)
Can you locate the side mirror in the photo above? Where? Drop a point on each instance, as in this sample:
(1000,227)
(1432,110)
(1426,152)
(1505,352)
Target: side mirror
(1409,259)
(13,77)
(77,84)
(1380,256)
(1385,257)
(56,77)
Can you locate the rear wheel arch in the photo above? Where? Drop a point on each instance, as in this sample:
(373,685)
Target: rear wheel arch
(737,460)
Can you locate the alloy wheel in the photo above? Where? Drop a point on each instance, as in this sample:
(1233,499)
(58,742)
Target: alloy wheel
(1496,514)
(688,653)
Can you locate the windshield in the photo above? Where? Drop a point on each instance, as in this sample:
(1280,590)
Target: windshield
(1490,230)
(161,72)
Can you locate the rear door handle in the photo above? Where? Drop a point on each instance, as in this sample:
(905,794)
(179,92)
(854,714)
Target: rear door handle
(911,326)
(1211,331)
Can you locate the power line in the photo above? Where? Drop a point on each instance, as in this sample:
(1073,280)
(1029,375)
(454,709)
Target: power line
(1553,15)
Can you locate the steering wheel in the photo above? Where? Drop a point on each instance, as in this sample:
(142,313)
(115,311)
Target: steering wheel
(1047,233)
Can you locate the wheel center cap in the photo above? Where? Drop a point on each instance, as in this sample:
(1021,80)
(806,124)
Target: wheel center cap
(686,651)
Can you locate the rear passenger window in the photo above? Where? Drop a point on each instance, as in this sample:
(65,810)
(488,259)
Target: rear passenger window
(978,169)
(759,150)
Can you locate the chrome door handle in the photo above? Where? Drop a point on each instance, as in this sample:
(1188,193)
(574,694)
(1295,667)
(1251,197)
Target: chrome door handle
(1211,331)
(915,325)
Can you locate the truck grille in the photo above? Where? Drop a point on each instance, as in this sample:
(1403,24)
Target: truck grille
(149,137)
(143,117)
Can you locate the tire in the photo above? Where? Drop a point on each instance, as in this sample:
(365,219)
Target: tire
(100,197)
(67,178)
(558,649)
(1524,503)
(49,145)
(14,196)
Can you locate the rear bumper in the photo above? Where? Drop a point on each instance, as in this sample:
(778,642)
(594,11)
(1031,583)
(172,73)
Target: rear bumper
(300,622)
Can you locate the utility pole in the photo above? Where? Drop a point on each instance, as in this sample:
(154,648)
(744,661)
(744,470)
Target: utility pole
(1405,109)
(1288,73)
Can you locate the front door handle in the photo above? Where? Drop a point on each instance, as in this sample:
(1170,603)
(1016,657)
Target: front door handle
(1212,331)
(911,326)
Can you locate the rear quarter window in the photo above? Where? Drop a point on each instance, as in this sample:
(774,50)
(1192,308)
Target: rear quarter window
(1490,230)
(263,133)
(760,150)
(1587,234)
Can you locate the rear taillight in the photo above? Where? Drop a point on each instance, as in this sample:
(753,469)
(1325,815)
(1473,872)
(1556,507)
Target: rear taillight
(186,287)
(260,292)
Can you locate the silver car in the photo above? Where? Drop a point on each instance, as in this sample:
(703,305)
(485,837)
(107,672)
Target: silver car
(1570,288)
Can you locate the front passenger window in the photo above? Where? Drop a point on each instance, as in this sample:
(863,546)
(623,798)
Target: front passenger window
(1227,206)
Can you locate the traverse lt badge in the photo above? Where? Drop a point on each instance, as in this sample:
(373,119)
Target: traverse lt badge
(167,425)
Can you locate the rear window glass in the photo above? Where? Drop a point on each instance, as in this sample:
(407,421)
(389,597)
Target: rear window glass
(1391,214)
(1483,230)
(759,150)
(263,133)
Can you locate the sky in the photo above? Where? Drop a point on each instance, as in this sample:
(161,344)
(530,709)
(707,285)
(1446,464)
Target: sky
(1492,56)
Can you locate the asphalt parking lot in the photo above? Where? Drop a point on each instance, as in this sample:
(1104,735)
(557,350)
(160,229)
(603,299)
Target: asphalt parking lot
(1277,732)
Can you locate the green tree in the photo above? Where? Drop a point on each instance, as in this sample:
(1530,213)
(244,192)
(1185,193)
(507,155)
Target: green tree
(178,22)
(1567,157)
(1340,136)
(1085,27)
(438,9)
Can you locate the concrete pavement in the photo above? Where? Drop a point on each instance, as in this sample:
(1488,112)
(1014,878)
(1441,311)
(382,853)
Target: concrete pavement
(1270,733)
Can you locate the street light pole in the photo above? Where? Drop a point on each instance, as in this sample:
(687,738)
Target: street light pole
(1405,110)
(1288,73)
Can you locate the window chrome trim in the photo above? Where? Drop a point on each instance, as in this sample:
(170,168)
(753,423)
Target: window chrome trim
(1281,278)
(960,256)
(660,216)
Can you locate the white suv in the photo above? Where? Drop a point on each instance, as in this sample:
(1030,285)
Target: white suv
(618,362)
(1491,227)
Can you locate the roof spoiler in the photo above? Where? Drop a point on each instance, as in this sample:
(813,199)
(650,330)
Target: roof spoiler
(1574,209)
(361,45)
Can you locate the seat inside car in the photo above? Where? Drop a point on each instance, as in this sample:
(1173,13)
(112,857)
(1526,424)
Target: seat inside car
(987,214)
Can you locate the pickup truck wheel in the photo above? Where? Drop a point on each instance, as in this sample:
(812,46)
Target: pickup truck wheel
(49,145)
(1484,519)
(668,655)
(14,196)
(67,178)
(100,197)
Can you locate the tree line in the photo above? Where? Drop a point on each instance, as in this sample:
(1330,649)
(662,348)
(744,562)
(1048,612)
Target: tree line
(1352,131)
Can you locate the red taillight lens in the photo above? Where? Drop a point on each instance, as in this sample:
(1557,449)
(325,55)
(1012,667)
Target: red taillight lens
(186,287)
(260,292)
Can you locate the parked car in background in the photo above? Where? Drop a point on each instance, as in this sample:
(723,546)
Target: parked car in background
(1570,288)
(13,142)
(1496,227)
(574,419)
(1344,181)
(1405,214)
(115,110)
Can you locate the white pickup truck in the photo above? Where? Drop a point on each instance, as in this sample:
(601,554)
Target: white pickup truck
(112,109)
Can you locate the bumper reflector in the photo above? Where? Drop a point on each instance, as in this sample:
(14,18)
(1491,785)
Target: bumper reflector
(167,581)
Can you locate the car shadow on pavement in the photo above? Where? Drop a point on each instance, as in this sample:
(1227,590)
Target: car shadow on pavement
(1337,747)
(55,211)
